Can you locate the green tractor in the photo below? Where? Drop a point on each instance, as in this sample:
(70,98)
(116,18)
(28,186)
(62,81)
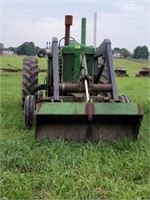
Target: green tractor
(78,100)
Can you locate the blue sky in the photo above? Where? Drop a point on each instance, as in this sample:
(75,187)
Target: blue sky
(125,23)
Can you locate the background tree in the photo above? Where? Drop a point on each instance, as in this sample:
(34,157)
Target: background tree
(1,47)
(117,49)
(27,48)
(31,49)
(141,52)
(125,53)
(14,49)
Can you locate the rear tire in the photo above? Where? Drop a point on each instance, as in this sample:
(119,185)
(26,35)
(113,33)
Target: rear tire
(104,80)
(29,77)
(29,108)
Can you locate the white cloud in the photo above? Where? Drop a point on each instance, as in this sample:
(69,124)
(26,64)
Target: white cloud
(39,32)
(124,22)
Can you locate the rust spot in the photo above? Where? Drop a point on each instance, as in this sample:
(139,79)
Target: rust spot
(68,20)
(140,111)
(38,107)
(90,110)
(10,69)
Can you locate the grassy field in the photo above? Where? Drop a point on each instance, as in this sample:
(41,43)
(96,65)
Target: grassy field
(63,170)
(132,66)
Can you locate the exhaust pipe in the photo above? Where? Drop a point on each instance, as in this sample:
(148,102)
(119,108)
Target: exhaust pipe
(68,23)
(83,31)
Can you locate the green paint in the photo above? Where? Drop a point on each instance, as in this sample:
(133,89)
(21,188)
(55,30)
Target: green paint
(83,31)
(76,47)
(79,109)
(71,60)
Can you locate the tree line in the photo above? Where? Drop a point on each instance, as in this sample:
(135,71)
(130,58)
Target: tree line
(29,49)
(140,52)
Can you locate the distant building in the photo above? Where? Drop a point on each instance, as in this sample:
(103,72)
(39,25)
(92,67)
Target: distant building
(117,54)
(7,51)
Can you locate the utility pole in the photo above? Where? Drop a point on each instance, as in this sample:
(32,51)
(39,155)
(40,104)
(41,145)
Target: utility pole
(95,29)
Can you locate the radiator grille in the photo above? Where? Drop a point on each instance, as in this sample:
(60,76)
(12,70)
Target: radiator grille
(68,67)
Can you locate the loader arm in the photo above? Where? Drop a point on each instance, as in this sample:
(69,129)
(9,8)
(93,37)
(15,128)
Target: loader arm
(104,51)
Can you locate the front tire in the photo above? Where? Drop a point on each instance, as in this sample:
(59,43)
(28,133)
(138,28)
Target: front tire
(29,111)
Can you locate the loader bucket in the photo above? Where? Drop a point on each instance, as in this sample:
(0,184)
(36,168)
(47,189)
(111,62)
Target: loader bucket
(87,121)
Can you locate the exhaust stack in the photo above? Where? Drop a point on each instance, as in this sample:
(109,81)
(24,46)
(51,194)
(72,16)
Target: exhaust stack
(68,23)
(83,31)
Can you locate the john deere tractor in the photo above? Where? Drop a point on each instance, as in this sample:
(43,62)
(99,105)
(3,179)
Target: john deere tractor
(78,100)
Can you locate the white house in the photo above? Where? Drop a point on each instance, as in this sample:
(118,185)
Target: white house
(116,54)
(7,51)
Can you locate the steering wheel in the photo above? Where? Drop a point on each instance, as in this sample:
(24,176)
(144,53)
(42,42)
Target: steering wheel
(63,39)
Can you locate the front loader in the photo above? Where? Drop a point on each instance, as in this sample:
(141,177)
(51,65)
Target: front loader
(78,100)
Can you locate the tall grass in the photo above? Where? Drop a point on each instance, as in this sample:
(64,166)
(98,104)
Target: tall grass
(63,170)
